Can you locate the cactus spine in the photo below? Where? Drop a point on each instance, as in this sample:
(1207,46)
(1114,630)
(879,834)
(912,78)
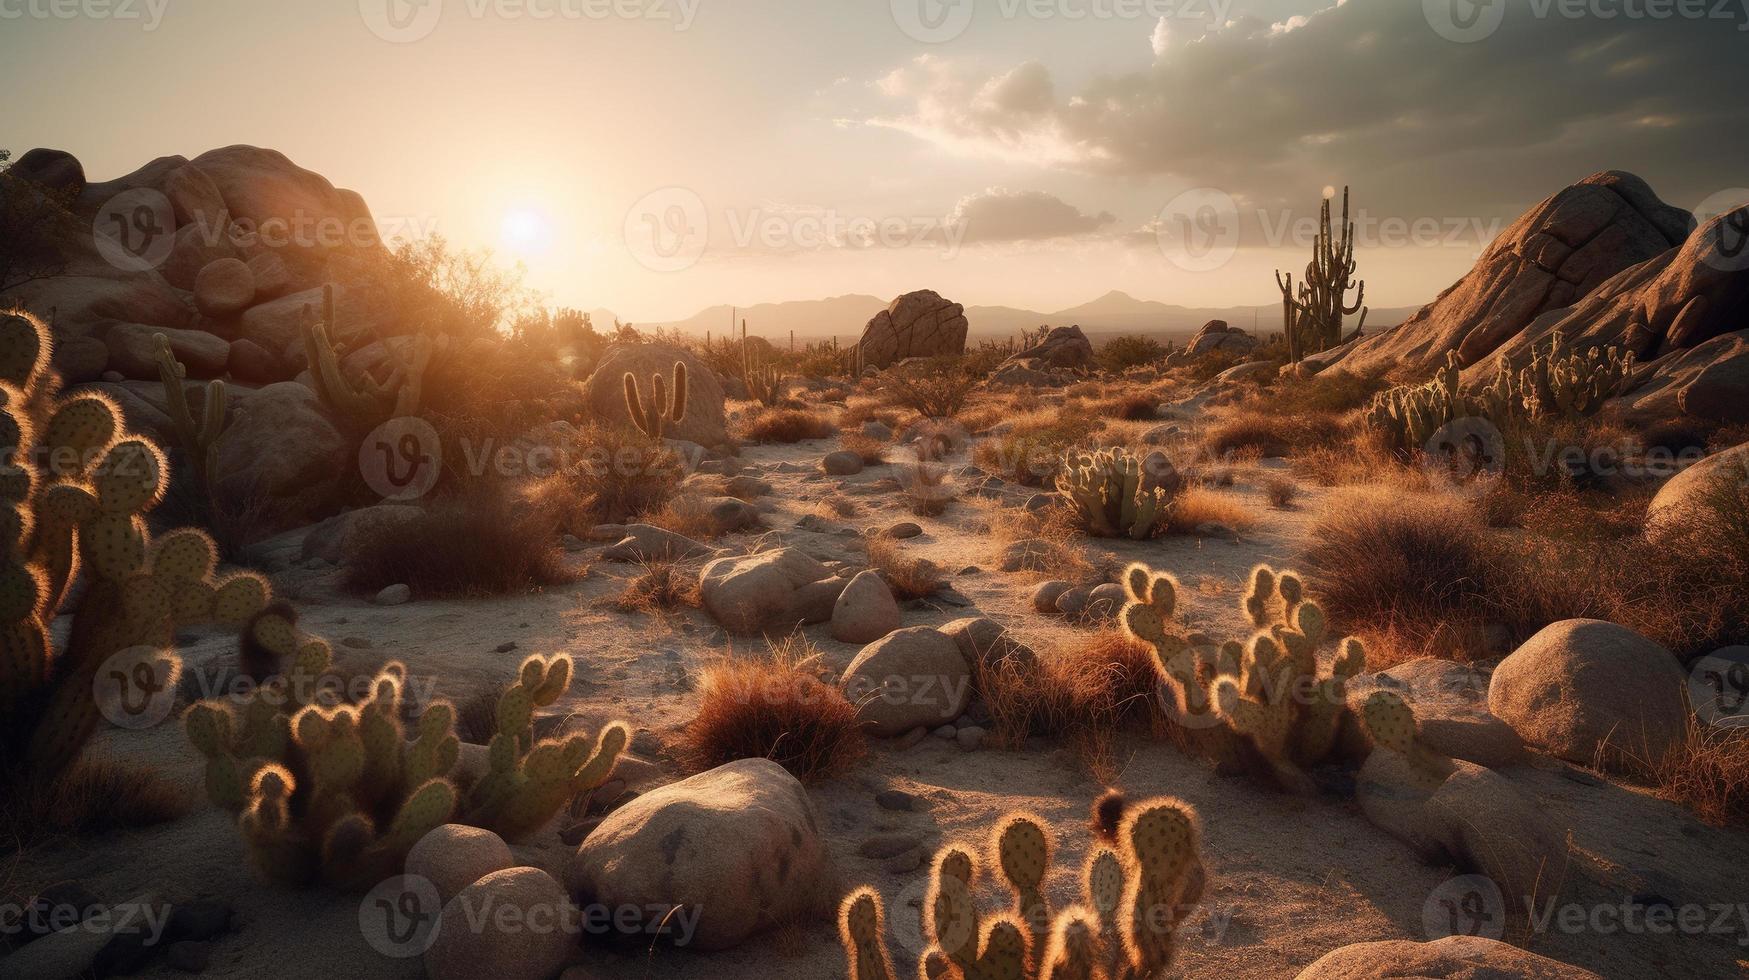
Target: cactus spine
(664,409)
(1312,315)
(1123,927)
(1117,493)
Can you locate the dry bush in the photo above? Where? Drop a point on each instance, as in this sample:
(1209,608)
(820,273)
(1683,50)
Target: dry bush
(1057,528)
(870,450)
(928,487)
(483,539)
(1272,435)
(909,578)
(1133,407)
(935,389)
(1032,451)
(861,408)
(775,707)
(1280,492)
(95,796)
(1121,353)
(1332,392)
(1709,774)
(686,515)
(661,586)
(786,425)
(1197,506)
(616,475)
(837,505)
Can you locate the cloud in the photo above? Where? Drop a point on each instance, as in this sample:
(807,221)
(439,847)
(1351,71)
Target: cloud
(999,215)
(1368,92)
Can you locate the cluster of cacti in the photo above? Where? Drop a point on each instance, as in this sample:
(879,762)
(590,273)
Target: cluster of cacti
(73,486)
(1560,381)
(529,782)
(765,382)
(339,793)
(1268,691)
(361,399)
(1117,493)
(664,408)
(1312,314)
(200,440)
(1389,724)
(1408,417)
(1134,896)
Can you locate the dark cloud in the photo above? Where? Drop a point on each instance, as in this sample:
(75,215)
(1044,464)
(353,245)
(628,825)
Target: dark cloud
(1368,92)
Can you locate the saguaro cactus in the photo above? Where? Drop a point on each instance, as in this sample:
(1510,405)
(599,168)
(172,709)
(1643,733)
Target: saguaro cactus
(765,383)
(200,440)
(664,409)
(361,399)
(1313,313)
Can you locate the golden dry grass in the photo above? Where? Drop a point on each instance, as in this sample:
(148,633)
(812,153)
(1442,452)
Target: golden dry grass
(1710,774)
(485,539)
(908,577)
(785,425)
(774,707)
(95,796)
(867,448)
(660,587)
(1062,554)
(1197,506)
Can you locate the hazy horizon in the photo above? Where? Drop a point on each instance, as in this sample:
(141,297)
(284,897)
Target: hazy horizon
(1004,153)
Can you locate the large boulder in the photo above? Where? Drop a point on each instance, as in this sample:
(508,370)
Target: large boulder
(224,287)
(78,305)
(1451,958)
(1686,502)
(1553,257)
(914,677)
(865,610)
(133,351)
(705,422)
(986,643)
(732,851)
(1587,690)
(1705,383)
(919,324)
(56,170)
(1216,335)
(283,204)
(278,324)
(1062,347)
(283,453)
(509,924)
(340,536)
(454,856)
(753,593)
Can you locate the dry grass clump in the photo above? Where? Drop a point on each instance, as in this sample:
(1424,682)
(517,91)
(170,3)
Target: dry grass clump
(1273,435)
(928,487)
(687,515)
(859,409)
(786,425)
(484,539)
(775,707)
(1138,406)
(1709,774)
(662,586)
(1056,531)
(615,476)
(935,389)
(1197,506)
(1280,492)
(95,796)
(1031,452)
(837,505)
(870,450)
(909,578)
(1333,392)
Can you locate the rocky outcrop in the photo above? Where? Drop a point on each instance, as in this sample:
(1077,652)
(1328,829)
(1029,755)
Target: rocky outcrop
(705,422)
(1555,256)
(1216,335)
(1451,958)
(1053,361)
(919,324)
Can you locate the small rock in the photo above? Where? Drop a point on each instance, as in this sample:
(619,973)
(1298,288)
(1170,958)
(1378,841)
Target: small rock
(646,743)
(394,595)
(464,949)
(1106,600)
(1046,594)
(887,846)
(865,610)
(971,739)
(971,570)
(904,529)
(454,856)
(904,864)
(945,732)
(356,642)
(841,464)
(911,738)
(1073,602)
(505,647)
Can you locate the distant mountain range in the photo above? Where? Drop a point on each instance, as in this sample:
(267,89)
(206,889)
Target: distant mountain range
(1111,314)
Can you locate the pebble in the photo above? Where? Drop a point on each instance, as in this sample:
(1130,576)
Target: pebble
(355,642)
(904,864)
(394,595)
(945,731)
(904,529)
(505,647)
(971,739)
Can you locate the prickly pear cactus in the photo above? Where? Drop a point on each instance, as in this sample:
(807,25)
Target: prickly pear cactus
(74,486)
(1116,493)
(529,782)
(1560,381)
(1390,725)
(1133,900)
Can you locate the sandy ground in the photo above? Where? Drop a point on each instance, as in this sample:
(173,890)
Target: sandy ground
(1291,879)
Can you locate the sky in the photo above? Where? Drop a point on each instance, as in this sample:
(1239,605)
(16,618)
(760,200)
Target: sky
(655,157)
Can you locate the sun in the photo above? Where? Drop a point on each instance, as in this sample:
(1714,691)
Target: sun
(525,231)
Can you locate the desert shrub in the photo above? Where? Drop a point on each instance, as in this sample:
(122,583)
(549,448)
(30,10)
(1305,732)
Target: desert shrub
(615,475)
(1333,392)
(95,796)
(775,707)
(1138,406)
(1272,435)
(908,577)
(1709,774)
(485,538)
(1198,506)
(786,425)
(659,587)
(1280,492)
(837,505)
(1031,453)
(870,450)
(685,514)
(937,388)
(1121,353)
